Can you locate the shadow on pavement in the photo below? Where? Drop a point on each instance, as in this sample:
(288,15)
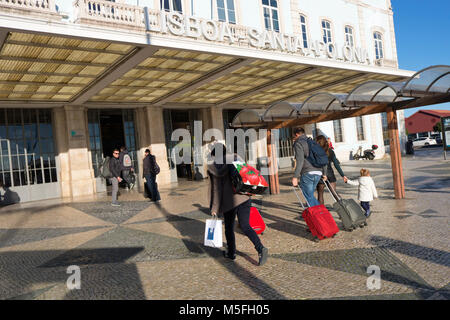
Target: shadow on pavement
(413,250)
(195,231)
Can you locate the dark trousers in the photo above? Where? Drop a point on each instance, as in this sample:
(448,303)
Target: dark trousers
(126,176)
(152,187)
(366,206)
(243,214)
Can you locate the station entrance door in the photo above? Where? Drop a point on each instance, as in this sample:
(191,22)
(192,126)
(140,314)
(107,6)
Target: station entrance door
(108,130)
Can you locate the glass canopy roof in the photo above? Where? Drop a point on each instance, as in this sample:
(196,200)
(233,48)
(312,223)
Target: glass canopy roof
(248,118)
(431,81)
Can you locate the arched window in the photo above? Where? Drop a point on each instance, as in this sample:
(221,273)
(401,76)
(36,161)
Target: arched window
(304,30)
(171,5)
(349,36)
(271,20)
(326,33)
(225,11)
(378,41)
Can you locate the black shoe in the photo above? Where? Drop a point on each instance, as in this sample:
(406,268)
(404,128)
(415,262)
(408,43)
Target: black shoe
(263,255)
(227,255)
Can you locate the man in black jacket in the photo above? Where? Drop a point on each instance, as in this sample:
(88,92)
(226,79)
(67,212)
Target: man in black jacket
(151,169)
(115,167)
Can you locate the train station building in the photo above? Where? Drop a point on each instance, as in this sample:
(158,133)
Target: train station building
(78,79)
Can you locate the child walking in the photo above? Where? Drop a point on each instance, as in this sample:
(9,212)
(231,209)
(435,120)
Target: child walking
(366,191)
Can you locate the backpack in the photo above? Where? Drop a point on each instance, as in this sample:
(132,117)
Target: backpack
(104,169)
(317,156)
(155,169)
(127,161)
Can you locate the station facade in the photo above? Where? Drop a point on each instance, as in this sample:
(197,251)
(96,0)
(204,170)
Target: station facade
(78,80)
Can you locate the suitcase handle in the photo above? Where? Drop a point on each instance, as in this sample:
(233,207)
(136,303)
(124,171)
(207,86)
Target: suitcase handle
(299,200)
(333,192)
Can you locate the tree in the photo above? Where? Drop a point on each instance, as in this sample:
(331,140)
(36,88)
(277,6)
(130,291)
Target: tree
(437,127)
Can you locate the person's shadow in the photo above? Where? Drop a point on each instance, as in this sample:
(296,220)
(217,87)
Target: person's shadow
(9,197)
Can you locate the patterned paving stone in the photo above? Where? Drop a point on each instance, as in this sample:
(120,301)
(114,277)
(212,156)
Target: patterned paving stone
(147,251)
(10,237)
(103,210)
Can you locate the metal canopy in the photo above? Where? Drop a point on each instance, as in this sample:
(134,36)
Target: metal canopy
(323,102)
(431,80)
(282,110)
(248,118)
(58,70)
(373,92)
(427,83)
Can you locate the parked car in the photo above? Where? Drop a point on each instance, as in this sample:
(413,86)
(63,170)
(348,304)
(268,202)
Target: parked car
(420,142)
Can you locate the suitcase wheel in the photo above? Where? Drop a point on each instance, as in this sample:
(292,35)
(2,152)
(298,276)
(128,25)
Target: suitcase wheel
(316,240)
(365,223)
(362,225)
(334,235)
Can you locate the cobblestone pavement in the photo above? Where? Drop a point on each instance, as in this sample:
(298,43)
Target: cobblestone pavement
(148,251)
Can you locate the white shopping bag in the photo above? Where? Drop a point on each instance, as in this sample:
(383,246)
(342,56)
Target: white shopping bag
(213,233)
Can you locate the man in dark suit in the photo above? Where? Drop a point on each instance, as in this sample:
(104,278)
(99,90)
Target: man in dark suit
(151,169)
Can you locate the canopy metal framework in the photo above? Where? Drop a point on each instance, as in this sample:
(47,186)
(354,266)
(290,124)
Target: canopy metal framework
(432,82)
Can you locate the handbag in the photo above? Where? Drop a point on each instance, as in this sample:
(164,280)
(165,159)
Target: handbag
(213,233)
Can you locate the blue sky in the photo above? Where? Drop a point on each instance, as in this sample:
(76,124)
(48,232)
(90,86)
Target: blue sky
(421,31)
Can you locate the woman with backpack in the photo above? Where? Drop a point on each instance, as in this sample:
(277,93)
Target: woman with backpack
(150,170)
(322,141)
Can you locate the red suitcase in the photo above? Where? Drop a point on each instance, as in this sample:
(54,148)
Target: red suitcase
(256,221)
(319,220)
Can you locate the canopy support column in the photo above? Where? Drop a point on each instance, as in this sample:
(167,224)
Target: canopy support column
(273,165)
(396,156)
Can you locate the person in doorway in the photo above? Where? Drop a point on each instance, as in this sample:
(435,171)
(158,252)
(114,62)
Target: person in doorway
(322,141)
(308,174)
(366,189)
(226,203)
(127,167)
(150,170)
(115,167)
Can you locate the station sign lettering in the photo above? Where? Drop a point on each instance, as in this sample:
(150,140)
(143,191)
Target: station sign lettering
(177,24)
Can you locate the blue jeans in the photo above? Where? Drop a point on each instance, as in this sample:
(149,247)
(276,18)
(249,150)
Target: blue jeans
(308,184)
(152,187)
(366,206)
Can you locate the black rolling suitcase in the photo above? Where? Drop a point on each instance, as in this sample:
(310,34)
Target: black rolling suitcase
(349,211)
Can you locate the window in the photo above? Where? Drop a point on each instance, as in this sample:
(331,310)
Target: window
(225,11)
(285,143)
(337,126)
(27,151)
(326,33)
(171,5)
(378,45)
(304,31)
(271,21)
(349,36)
(360,128)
